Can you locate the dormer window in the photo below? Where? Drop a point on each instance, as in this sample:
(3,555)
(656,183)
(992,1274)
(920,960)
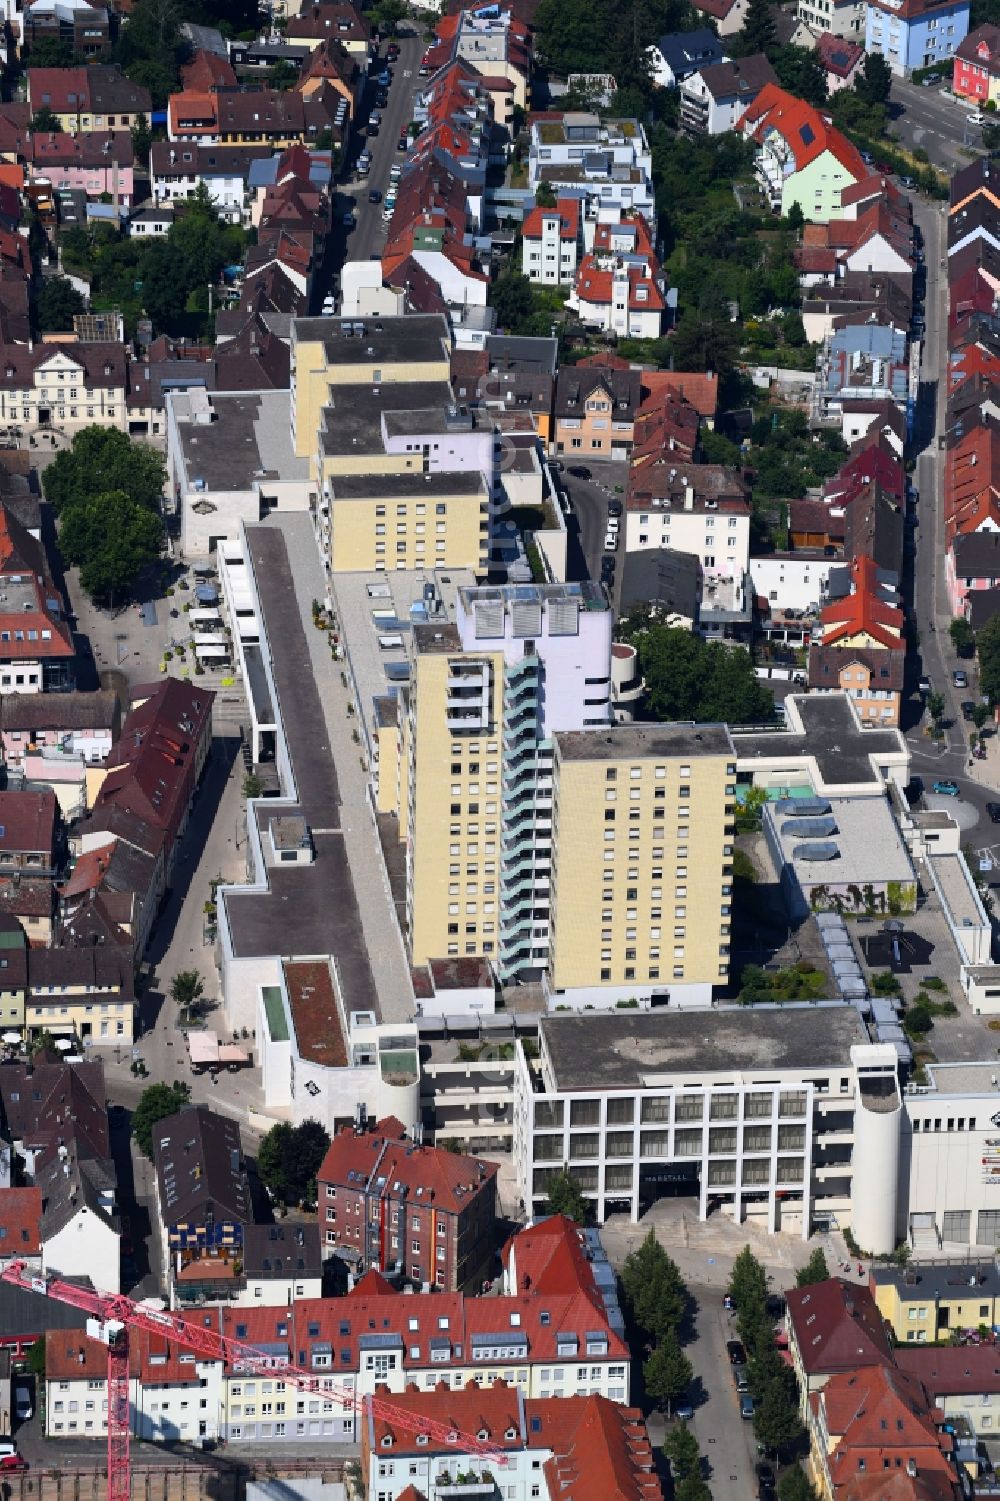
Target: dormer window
(483,1435)
(386,1441)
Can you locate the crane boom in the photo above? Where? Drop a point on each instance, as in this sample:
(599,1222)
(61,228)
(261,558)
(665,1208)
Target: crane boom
(116,1308)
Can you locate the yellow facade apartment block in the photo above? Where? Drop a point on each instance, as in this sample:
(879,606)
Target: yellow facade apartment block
(642,856)
(330,352)
(451,783)
(411,520)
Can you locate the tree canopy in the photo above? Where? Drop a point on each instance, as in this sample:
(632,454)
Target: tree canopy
(155,1104)
(58,303)
(565,1196)
(681,1448)
(988,649)
(655,1293)
(289,1158)
(667,1373)
(575,36)
(111,540)
(688,678)
(815,1269)
(101,459)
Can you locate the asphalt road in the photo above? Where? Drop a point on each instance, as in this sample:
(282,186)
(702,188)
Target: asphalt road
(726,1441)
(588,522)
(937,658)
(368,237)
(936,121)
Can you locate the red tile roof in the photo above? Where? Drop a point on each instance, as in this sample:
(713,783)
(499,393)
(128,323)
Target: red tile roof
(448,1180)
(700,388)
(863,611)
(153,766)
(27,821)
(807,132)
(877,1417)
(837,1327)
(959,1370)
(206,71)
(838,56)
(568,210)
(20,1222)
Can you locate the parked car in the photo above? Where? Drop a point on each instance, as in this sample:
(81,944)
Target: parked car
(867,158)
(884,168)
(614,507)
(925,684)
(977,118)
(909,183)
(968,709)
(735,1351)
(945,788)
(931,80)
(12,1462)
(607,570)
(402,143)
(329,304)
(24,1399)
(960,678)
(741,1380)
(349,219)
(993,809)
(746,1407)
(610,542)
(684,1411)
(374,196)
(580,471)
(727,1303)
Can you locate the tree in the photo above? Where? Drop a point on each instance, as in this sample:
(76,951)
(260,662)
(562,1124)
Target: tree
(36,1358)
(565,1196)
(935,706)
(801,72)
(917,1020)
(747,1281)
(43,121)
(963,637)
(155,1104)
(58,303)
(793,1485)
(795,218)
(688,678)
(102,459)
(681,1448)
(545,195)
(510,295)
(758,33)
(667,1373)
(252,786)
(706,338)
(187,988)
(692,1488)
(50,52)
(654,1290)
(988,650)
(111,539)
(289,1158)
(142,140)
(776,1420)
(874,81)
(815,1269)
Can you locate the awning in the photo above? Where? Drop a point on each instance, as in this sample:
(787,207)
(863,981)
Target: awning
(204,614)
(211,638)
(210,650)
(205,1047)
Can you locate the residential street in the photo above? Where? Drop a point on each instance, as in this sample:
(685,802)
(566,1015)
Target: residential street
(926,117)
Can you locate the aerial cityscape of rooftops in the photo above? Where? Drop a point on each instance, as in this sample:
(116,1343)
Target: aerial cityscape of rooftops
(499,750)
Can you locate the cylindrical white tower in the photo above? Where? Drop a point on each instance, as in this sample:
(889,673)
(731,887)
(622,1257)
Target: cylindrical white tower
(878,1115)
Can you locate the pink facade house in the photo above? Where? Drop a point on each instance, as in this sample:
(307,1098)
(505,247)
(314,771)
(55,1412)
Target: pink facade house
(81,725)
(96,162)
(972,567)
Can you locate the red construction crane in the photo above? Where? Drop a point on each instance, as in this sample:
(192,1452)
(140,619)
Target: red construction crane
(118,1314)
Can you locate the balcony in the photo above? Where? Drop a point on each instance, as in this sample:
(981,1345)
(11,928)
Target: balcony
(466,1483)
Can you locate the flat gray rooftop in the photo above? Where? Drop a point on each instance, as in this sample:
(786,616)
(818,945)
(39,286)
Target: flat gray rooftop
(247,442)
(352,419)
(842,749)
(647,741)
(398,341)
(310,909)
(623,1051)
(407,486)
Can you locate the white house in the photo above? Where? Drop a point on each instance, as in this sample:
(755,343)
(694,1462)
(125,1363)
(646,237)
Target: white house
(675,57)
(551,239)
(714,98)
(796,580)
(605,161)
(715,531)
(174,1394)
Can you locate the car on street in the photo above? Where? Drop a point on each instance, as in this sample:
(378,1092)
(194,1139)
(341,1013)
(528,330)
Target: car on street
(12,1462)
(977,118)
(727,1303)
(374,196)
(735,1351)
(968,709)
(925,684)
(746,1407)
(372,129)
(867,158)
(24,1399)
(614,507)
(945,788)
(349,219)
(607,570)
(328,304)
(402,143)
(884,168)
(610,541)
(381,99)
(909,183)
(384,79)
(931,80)
(993,809)
(580,471)
(392,51)
(741,1379)
(960,678)
(684,1410)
